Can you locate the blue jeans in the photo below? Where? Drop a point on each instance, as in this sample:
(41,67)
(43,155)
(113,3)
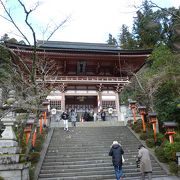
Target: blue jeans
(118,172)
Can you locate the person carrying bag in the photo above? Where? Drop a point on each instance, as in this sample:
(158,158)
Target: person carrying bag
(117,152)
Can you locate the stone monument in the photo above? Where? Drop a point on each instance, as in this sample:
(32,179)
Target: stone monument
(10,167)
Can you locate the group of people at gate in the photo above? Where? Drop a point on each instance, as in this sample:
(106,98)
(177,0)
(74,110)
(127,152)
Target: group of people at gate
(65,116)
(73,116)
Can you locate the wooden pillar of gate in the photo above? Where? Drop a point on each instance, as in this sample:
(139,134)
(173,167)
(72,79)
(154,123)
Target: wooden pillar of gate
(99,99)
(63,101)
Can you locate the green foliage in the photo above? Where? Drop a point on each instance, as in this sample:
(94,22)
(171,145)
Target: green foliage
(1,178)
(126,38)
(161,56)
(150,142)
(130,123)
(173,167)
(166,104)
(31,172)
(4,65)
(160,80)
(167,151)
(159,152)
(112,40)
(22,158)
(151,27)
(150,135)
(174,37)
(23,143)
(4,38)
(40,140)
(34,157)
(143,136)
(38,145)
(137,127)
(177,137)
(160,138)
(147,27)
(170,150)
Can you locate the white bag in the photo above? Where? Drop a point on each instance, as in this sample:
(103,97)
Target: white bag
(123,160)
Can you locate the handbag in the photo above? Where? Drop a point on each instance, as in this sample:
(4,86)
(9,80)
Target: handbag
(123,160)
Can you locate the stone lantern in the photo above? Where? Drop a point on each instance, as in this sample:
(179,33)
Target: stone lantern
(133,108)
(178,158)
(10,168)
(170,126)
(142,111)
(153,121)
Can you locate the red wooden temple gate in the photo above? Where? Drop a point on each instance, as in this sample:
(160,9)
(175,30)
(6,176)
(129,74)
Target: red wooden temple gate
(85,76)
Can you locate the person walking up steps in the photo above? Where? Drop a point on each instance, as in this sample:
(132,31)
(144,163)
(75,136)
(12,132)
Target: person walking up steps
(73,117)
(145,162)
(65,117)
(103,115)
(116,152)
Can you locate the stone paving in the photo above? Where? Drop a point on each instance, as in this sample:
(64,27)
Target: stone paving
(168,178)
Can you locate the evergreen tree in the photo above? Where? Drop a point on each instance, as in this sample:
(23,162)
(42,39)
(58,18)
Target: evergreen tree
(174,40)
(146,28)
(112,40)
(126,38)
(4,38)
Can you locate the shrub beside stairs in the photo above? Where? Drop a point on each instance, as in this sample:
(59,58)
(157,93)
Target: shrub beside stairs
(82,153)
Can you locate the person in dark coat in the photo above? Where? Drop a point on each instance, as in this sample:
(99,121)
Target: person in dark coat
(103,115)
(85,116)
(65,117)
(116,152)
(145,162)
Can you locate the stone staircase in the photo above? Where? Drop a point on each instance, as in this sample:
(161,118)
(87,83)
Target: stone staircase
(82,153)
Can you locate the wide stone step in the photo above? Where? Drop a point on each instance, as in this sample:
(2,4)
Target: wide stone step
(65,158)
(91,163)
(80,173)
(107,177)
(85,149)
(57,167)
(93,174)
(89,124)
(79,154)
(94,168)
(82,154)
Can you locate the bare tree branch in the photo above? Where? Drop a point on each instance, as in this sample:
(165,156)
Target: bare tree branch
(26,19)
(57,27)
(33,89)
(13,22)
(139,83)
(164,9)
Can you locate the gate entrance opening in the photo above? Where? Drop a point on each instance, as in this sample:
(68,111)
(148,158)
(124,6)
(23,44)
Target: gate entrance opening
(82,104)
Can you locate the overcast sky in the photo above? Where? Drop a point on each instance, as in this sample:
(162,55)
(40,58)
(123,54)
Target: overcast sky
(89,20)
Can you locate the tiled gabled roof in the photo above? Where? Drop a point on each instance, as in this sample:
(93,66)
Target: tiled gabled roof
(77,46)
(56,46)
